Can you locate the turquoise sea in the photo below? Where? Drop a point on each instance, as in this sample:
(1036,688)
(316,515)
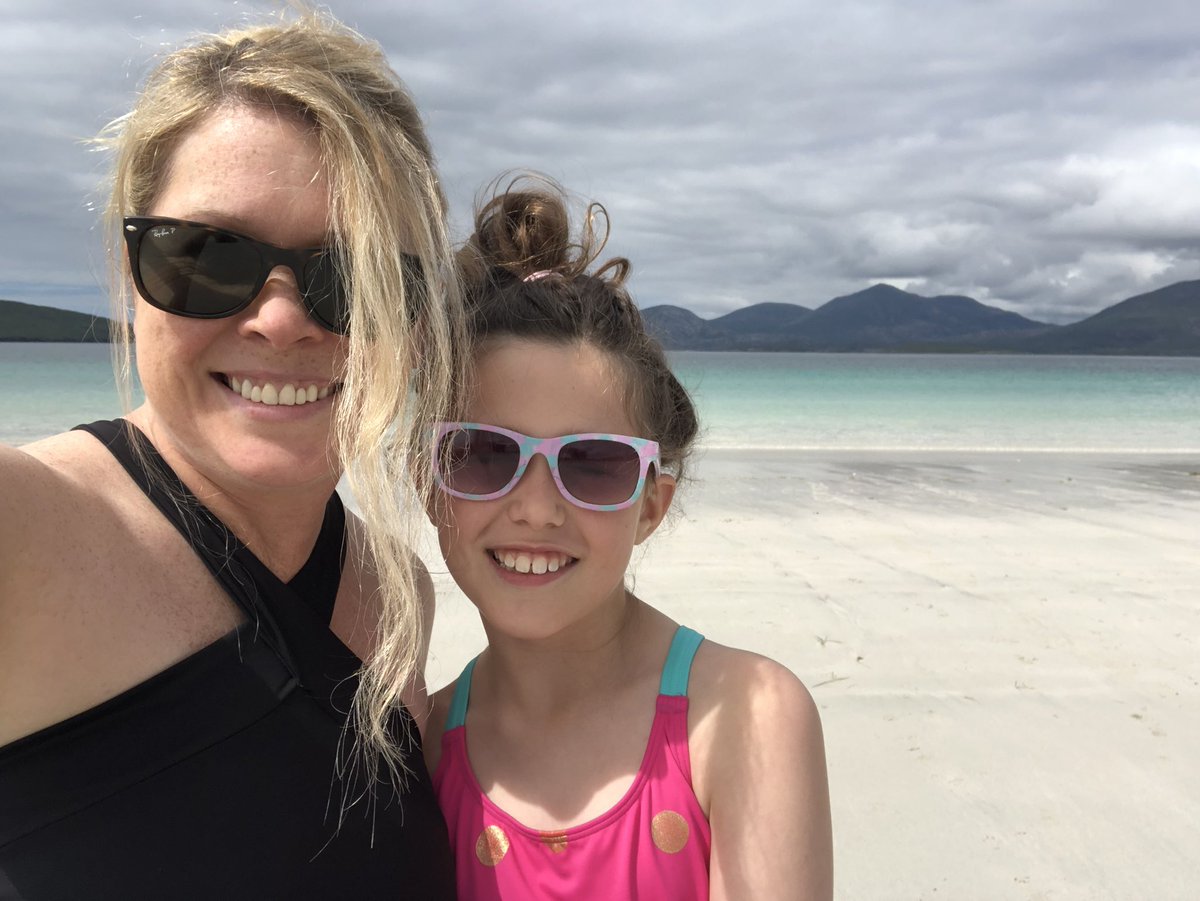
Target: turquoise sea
(794,401)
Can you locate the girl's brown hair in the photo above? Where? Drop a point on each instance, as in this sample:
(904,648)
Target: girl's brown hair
(526,276)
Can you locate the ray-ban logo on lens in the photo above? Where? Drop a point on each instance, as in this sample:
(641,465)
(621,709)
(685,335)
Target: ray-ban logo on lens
(162,231)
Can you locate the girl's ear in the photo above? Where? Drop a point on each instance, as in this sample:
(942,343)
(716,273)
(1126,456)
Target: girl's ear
(656,500)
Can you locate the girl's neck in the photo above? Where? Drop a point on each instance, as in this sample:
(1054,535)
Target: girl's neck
(550,677)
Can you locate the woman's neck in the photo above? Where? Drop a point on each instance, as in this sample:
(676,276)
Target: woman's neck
(279,524)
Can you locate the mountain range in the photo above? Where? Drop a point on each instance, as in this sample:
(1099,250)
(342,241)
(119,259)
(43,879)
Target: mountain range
(30,322)
(884,318)
(1165,322)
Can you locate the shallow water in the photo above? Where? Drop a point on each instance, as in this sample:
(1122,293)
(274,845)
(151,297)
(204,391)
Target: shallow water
(892,402)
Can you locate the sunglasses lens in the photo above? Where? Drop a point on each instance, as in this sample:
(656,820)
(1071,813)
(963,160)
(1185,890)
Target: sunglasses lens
(598,471)
(324,295)
(195,271)
(477,462)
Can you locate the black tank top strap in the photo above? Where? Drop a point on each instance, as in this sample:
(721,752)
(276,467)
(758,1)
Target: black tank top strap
(318,579)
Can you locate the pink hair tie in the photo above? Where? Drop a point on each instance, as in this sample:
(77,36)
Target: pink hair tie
(534,276)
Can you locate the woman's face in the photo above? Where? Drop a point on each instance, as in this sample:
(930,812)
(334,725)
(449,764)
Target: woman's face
(256,172)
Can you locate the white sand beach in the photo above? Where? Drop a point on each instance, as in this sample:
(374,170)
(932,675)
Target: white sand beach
(1003,648)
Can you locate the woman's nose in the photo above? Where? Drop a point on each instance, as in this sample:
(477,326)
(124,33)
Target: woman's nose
(278,312)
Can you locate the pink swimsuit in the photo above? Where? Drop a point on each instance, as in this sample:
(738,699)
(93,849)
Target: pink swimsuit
(653,844)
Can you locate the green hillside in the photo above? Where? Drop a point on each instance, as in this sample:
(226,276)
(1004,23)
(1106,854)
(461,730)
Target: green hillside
(1165,322)
(29,322)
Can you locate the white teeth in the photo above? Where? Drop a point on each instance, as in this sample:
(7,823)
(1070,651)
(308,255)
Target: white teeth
(537,564)
(286,396)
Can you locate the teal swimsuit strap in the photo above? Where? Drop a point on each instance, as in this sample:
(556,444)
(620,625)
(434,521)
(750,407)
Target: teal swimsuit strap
(674,676)
(679,662)
(462,694)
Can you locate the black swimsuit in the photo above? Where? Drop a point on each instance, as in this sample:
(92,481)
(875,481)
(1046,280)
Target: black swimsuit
(221,777)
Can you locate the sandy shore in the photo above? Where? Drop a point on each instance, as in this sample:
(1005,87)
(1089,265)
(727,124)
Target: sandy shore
(1004,649)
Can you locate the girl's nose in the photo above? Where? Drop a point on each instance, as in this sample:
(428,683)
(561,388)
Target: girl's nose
(536,500)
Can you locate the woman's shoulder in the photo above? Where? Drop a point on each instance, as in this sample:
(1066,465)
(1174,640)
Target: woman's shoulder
(66,527)
(45,488)
(60,458)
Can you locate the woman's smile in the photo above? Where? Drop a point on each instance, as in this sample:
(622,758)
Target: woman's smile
(279,390)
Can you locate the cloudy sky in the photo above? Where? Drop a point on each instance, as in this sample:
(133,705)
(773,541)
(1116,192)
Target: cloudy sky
(1038,155)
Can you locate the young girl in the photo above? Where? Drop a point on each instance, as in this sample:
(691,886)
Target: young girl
(596,749)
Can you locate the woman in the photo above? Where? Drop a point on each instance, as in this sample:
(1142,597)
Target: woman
(183,603)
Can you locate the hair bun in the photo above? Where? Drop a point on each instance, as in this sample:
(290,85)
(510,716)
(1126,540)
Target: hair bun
(524,229)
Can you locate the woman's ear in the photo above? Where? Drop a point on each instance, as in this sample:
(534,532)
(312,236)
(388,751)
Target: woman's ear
(656,500)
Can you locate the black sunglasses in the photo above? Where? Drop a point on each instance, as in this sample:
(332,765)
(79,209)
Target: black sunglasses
(197,270)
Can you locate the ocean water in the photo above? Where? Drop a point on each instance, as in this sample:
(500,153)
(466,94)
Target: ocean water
(971,402)
(899,402)
(50,387)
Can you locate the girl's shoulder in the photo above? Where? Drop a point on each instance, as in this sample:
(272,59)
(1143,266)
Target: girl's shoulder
(744,708)
(758,769)
(435,725)
(733,682)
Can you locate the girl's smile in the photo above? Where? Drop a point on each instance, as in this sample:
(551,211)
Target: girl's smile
(534,563)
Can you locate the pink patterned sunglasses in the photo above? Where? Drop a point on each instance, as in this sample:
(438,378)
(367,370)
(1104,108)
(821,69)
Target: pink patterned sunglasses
(595,471)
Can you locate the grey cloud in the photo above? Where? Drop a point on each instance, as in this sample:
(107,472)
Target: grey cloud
(1036,156)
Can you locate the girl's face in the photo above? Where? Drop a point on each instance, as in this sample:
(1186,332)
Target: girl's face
(546,390)
(252,171)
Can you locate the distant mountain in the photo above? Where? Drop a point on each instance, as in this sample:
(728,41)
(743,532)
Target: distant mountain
(750,328)
(1165,322)
(30,322)
(676,328)
(761,318)
(878,318)
(883,317)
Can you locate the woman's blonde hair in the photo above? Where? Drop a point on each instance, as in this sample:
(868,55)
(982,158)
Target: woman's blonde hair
(384,198)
